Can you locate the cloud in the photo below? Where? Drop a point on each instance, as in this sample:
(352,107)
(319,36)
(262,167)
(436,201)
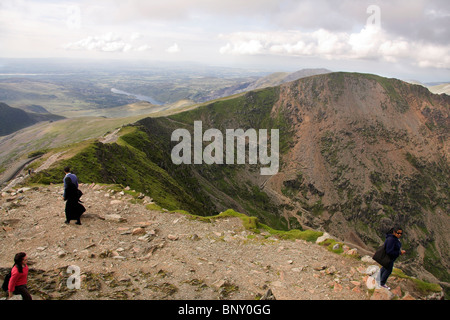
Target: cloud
(412,34)
(108,42)
(173,48)
(133,10)
(243,47)
(135,36)
(370,43)
(143,48)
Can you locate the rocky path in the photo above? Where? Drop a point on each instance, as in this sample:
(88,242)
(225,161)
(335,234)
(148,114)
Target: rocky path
(123,250)
(14,170)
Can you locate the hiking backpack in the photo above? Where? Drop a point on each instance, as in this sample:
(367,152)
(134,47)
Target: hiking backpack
(6,281)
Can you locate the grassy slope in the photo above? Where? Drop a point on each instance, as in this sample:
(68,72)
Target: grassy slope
(58,134)
(142,160)
(252,110)
(122,163)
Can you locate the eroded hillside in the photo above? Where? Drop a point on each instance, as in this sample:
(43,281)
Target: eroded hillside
(368,153)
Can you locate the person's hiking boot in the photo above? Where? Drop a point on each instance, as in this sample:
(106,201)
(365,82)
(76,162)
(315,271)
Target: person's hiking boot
(385,286)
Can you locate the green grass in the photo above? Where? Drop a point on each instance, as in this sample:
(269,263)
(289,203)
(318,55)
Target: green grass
(253,224)
(126,165)
(250,110)
(330,243)
(423,287)
(153,206)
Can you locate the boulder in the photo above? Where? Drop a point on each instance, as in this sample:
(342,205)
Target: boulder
(115,218)
(367,259)
(322,238)
(352,252)
(138,231)
(381,294)
(268,295)
(408,297)
(372,283)
(372,270)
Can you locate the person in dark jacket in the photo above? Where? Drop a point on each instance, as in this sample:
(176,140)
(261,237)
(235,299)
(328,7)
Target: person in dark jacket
(74,209)
(393,250)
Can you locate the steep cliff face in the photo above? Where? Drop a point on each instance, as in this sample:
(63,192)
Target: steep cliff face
(368,153)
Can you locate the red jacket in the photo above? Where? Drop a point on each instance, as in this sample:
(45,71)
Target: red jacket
(17,278)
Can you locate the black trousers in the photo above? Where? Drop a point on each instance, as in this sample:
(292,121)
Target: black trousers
(23,291)
(386,272)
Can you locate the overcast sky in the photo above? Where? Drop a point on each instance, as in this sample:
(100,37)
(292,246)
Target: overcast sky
(407,39)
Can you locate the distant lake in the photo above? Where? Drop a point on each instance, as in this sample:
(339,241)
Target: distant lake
(137,96)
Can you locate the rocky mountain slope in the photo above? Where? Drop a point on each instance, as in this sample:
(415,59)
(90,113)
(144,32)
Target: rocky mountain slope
(127,248)
(367,153)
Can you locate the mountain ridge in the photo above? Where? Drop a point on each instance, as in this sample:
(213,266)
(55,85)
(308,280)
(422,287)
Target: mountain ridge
(14,119)
(355,151)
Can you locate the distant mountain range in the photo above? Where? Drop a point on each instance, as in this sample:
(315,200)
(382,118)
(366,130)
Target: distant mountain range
(271,80)
(437,88)
(440,88)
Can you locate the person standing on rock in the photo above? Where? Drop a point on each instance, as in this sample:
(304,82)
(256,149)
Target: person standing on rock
(74,209)
(393,250)
(19,277)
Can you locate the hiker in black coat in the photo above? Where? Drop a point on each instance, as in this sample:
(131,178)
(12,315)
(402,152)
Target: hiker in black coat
(74,209)
(393,249)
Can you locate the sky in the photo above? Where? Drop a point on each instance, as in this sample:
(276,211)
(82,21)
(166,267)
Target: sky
(406,39)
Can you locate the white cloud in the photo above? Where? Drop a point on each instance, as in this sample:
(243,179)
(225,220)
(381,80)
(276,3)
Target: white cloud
(244,47)
(432,56)
(133,10)
(413,34)
(371,43)
(135,36)
(108,42)
(144,47)
(173,48)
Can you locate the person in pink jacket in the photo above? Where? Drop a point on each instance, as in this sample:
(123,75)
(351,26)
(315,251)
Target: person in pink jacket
(19,277)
